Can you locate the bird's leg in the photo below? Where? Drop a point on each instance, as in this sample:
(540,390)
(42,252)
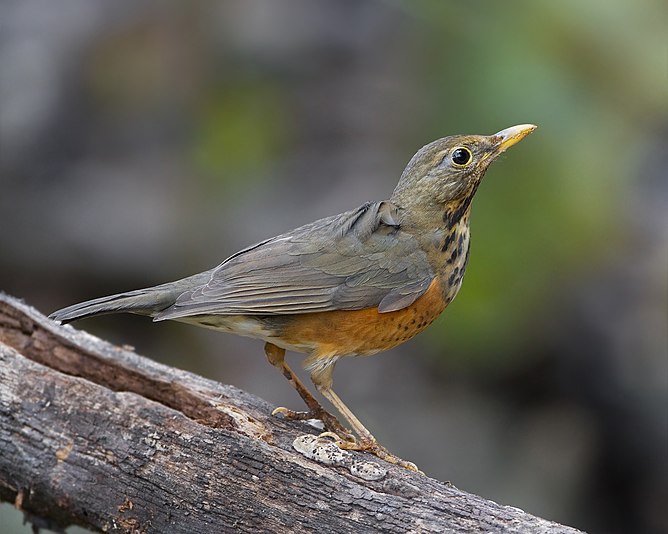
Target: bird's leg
(276,357)
(366,442)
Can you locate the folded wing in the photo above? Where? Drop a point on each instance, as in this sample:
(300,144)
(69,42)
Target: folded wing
(359,259)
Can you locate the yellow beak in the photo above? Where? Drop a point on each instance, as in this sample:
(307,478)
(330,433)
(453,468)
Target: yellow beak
(508,137)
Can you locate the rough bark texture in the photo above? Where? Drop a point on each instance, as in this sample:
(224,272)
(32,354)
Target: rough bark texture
(95,435)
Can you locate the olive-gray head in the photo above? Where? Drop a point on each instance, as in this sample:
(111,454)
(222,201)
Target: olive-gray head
(446,172)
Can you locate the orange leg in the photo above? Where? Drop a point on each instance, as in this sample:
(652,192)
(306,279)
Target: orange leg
(366,442)
(276,357)
(322,379)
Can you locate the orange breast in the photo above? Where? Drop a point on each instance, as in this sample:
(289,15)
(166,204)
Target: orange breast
(363,332)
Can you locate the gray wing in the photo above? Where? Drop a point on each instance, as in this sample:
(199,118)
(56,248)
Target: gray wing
(359,259)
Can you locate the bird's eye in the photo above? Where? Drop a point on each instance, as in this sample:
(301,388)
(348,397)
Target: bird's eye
(461,156)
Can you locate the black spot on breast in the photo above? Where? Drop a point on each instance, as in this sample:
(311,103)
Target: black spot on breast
(455,276)
(454,255)
(448,241)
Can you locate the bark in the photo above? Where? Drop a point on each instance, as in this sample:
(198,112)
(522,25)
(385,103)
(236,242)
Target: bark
(95,435)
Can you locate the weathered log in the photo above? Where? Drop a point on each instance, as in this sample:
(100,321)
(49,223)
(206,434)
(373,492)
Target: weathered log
(95,435)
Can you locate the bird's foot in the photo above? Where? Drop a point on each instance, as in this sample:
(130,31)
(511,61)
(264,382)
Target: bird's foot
(332,424)
(372,446)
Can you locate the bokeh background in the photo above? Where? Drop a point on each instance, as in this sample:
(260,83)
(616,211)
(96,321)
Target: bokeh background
(144,141)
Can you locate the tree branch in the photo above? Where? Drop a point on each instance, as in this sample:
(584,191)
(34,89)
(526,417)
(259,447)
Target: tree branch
(95,435)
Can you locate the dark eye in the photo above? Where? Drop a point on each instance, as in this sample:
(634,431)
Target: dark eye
(461,156)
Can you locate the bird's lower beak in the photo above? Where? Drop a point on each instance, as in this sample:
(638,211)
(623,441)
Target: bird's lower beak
(508,137)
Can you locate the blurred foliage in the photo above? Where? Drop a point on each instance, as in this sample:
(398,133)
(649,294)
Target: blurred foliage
(242,128)
(131,71)
(592,75)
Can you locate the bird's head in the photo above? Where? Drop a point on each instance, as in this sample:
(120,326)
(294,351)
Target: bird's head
(446,172)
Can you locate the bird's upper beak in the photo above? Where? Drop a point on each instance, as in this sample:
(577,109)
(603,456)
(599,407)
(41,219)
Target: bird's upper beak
(508,137)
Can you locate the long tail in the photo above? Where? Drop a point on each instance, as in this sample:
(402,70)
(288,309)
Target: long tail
(147,301)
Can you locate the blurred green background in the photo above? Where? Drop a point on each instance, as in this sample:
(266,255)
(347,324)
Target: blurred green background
(141,142)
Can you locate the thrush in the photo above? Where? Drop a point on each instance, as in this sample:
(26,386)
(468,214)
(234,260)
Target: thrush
(352,284)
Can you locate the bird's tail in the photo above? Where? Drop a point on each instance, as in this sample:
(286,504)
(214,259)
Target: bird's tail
(147,301)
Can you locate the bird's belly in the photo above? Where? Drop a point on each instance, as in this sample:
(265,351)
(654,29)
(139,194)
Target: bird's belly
(361,332)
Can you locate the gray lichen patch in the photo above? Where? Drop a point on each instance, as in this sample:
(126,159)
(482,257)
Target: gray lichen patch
(326,452)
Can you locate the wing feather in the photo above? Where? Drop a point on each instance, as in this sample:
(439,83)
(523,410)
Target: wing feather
(359,259)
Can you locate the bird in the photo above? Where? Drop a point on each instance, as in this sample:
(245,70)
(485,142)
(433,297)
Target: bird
(353,284)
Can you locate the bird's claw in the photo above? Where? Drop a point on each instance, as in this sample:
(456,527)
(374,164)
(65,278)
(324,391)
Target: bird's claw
(371,446)
(344,438)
